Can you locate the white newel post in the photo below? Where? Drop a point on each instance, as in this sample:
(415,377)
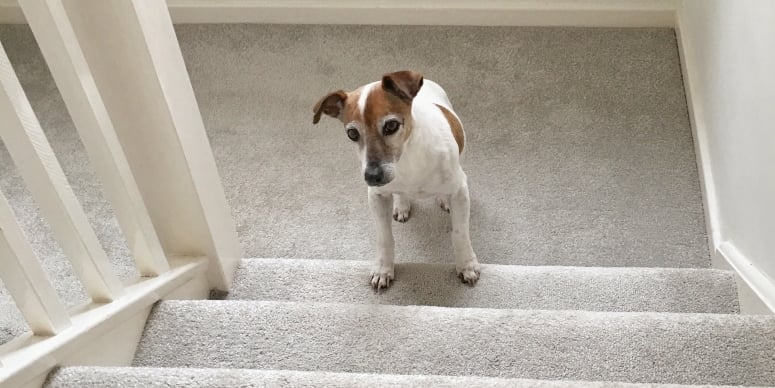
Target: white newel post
(134,57)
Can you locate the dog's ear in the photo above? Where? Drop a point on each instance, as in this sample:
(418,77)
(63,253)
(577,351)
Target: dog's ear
(403,84)
(331,104)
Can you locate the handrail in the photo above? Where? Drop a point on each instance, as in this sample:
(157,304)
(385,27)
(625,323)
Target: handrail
(37,356)
(172,211)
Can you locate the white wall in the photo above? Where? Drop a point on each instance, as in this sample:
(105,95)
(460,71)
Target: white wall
(609,13)
(729,57)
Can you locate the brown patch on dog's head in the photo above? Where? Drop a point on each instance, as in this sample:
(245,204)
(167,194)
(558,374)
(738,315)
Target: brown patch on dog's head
(380,123)
(381,111)
(352,113)
(403,84)
(456,127)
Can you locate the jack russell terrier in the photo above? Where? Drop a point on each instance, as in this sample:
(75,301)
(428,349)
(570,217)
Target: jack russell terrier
(409,142)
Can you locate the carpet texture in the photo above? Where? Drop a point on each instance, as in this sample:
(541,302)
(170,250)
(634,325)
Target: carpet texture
(89,377)
(579,154)
(579,148)
(570,345)
(502,286)
(11,321)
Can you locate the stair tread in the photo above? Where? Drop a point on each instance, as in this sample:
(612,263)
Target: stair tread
(574,345)
(502,286)
(128,377)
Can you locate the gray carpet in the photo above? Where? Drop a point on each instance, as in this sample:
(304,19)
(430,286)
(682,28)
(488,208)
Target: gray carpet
(89,377)
(579,149)
(551,345)
(579,154)
(502,286)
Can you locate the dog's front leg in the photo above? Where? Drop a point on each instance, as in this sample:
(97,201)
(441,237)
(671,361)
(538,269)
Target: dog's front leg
(466,264)
(381,209)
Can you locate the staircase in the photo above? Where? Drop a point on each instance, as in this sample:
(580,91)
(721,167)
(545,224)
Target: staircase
(316,323)
(586,213)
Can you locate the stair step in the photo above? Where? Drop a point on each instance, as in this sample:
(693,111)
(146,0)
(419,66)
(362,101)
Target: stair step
(545,345)
(228,378)
(681,290)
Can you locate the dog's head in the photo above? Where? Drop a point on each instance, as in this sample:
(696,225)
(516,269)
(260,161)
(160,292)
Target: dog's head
(377,117)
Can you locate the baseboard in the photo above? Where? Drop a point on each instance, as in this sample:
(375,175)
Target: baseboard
(11,13)
(581,13)
(756,291)
(696,114)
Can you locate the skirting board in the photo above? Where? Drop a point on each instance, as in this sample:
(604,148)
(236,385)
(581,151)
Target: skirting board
(756,291)
(586,13)
(696,115)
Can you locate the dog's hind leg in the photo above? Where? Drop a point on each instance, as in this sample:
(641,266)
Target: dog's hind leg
(402,208)
(383,271)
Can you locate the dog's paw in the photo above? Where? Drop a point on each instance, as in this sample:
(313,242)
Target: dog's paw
(381,276)
(402,210)
(469,271)
(443,203)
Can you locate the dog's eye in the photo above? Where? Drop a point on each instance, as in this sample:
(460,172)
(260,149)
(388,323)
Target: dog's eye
(390,127)
(353,134)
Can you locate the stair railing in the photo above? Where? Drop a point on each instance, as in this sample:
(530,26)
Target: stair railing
(120,71)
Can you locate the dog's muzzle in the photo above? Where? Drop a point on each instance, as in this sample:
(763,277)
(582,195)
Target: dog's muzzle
(375,175)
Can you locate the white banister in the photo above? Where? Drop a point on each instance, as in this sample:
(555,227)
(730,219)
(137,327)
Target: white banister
(103,334)
(120,71)
(59,45)
(25,279)
(38,166)
(134,57)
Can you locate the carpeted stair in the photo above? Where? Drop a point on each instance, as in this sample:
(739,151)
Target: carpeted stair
(684,290)
(521,326)
(89,377)
(537,344)
(586,213)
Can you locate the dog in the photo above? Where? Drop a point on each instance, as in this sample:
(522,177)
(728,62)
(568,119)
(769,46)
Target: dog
(409,142)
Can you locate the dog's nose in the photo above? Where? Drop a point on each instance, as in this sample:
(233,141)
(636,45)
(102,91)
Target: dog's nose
(374,174)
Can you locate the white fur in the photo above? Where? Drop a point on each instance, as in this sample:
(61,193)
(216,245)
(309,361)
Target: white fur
(364,95)
(428,167)
(362,107)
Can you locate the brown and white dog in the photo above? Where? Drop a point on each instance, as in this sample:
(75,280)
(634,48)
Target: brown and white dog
(409,142)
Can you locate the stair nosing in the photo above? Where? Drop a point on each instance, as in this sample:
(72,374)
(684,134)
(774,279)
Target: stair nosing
(310,373)
(480,309)
(509,266)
